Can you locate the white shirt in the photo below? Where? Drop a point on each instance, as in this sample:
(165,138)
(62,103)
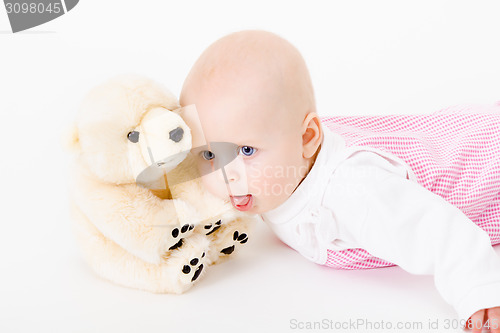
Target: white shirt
(362,197)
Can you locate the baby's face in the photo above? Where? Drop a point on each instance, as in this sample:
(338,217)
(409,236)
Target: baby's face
(263,148)
(254,99)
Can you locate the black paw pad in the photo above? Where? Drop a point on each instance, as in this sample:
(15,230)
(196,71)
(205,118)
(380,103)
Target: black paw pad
(176,245)
(214,227)
(242,238)
(176,233)
(228,250)
(237,237)
(186,269)
(197,273)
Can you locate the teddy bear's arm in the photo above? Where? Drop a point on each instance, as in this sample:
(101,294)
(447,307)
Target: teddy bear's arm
(133,217)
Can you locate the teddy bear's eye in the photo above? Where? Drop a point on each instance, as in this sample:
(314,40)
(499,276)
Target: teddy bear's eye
(207,155)
(133,136)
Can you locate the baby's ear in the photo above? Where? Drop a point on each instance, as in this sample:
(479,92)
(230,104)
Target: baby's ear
(311,134)
(70,140)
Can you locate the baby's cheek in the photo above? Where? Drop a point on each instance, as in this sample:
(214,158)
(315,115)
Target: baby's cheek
(286,186)
(214,185)
(270,182)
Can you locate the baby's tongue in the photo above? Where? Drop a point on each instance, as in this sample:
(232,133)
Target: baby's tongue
(241,200)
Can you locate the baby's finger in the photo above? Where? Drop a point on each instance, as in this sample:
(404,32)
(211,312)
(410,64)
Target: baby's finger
(476,321)
(494,319)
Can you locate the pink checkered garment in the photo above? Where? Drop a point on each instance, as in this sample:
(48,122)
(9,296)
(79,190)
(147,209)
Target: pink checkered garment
(454,152)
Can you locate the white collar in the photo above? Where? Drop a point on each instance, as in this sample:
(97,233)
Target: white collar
(312,187)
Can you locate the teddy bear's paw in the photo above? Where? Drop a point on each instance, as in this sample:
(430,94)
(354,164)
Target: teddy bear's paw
(187,265)
(178,235)
(193,268)
(237,238)
(212,227)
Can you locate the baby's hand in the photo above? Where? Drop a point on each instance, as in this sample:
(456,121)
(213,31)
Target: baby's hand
(489,318)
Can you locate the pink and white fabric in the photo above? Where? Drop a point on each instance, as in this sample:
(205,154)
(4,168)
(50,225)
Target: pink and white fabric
(454,152)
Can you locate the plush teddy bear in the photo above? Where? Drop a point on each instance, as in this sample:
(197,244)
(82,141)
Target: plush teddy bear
(142,217)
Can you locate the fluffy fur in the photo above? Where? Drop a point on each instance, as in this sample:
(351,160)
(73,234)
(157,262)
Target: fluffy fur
(148,237)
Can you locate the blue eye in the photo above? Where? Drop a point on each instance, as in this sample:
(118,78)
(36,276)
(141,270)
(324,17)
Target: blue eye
(208,155)
(247,150)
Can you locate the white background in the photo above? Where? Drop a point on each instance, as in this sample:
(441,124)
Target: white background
(365,57)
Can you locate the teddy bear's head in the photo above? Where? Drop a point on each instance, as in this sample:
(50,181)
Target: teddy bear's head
(127,125)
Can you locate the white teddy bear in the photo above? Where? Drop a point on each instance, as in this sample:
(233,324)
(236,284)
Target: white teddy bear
(142,217)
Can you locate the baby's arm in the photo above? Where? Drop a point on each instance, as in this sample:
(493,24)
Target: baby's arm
(406,224)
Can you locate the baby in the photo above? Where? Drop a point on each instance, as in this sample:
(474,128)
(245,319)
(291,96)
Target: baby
(252,90)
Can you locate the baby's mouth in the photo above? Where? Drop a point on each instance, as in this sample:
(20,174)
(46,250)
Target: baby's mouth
(242,202)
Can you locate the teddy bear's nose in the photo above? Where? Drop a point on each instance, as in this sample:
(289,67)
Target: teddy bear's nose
(176,134)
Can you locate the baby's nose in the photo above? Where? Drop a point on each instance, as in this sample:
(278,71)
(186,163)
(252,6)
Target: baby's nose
(232,176)
(176,134)
(236,178)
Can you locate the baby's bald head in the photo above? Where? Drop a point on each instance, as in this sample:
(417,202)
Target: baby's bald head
(253,64)
(252,89)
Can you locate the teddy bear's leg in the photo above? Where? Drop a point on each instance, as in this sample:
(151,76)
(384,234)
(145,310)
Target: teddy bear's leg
(175,274)
(226,238)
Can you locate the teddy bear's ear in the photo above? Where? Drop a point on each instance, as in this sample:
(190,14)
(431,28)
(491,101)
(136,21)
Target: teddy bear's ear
(70,140)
